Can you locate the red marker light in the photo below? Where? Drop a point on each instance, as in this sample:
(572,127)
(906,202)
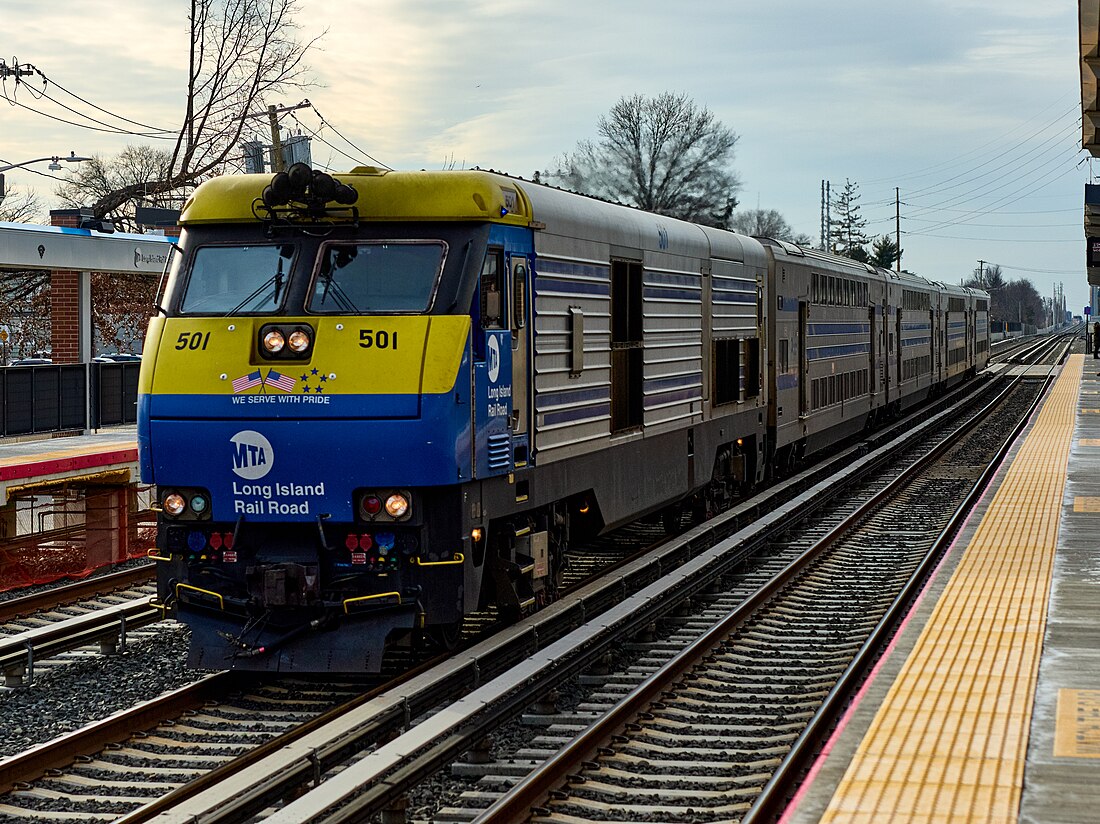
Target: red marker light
(372,504)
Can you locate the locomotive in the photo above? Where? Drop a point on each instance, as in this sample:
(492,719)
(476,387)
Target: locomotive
(375,402)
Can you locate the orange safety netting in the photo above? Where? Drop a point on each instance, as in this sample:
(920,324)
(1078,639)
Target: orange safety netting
(76,551)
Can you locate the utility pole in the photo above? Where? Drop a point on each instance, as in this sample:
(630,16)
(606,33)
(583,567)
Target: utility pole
(15,70)
(822,234)
(272,115)
(276,143)
(981,273)
(897,222)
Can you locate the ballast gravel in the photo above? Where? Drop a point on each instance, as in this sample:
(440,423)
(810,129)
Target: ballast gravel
(64,698)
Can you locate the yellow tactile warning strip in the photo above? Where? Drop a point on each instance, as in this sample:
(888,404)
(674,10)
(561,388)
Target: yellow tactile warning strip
(1089,441)
(949,742)
(1077,726)
(1082,503)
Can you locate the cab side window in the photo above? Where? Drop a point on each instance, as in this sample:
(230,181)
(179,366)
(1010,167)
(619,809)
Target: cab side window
(492,290)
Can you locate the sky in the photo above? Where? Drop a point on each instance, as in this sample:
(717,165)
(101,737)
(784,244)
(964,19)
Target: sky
(971,108)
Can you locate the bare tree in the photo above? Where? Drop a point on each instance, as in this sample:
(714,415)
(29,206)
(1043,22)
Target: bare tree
(120,309)
(761,223)
(989,276)
(97,179)
(20,206)
(1018,301)
(662,154)
(242,52)
(767,223)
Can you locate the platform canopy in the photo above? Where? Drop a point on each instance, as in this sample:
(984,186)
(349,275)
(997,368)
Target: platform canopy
(30,246)
(1089,24)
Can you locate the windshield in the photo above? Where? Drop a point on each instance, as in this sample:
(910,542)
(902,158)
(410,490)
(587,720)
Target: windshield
(377,277)
(228,279)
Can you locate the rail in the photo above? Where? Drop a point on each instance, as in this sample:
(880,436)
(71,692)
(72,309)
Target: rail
(107,627)
(387,772)
(56,596)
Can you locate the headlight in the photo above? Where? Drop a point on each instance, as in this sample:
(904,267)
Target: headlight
(274,341)
(174,504)
(397,505)
(299,340)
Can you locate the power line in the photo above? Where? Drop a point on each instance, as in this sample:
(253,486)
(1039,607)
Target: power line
(78,125)
(100,108)
(955,160)
(341,136)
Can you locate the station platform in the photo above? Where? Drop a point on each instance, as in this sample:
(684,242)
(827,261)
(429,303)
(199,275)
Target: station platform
(107,456)
(986,708)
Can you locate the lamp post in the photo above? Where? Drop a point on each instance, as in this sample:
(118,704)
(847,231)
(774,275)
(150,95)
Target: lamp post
(55,165)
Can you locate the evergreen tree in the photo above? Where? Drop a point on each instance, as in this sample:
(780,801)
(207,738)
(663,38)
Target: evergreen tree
(885,252)
(846,224)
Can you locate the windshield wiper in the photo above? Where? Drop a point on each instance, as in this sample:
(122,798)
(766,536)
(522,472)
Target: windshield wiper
(276,278)
(338,293)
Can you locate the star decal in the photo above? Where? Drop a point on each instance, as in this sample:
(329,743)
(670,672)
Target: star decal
(322,377)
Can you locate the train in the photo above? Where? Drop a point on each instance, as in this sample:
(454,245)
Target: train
(373,403)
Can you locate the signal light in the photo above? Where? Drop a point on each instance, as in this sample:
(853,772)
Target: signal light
(199,504)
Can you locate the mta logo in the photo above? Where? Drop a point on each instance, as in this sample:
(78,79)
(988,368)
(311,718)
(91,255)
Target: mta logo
(662,237)
(253,456)
(493,358)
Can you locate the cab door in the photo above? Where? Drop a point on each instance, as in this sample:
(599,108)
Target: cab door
(519,268)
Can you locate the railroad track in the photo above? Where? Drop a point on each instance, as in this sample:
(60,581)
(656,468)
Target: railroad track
(701,737)
(214,721)
(60,622)
(530,658)
(329,740)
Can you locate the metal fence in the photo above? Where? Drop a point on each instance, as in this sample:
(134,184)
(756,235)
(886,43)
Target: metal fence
(55,397)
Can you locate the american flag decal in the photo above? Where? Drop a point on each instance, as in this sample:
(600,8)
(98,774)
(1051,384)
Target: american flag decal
(280,381)
(245,382)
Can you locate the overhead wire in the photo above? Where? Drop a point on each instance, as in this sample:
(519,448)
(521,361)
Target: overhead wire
(337,132)
(927,170)
(53,82)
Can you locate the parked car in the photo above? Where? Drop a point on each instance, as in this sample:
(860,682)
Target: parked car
(118,358)
(30,362)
